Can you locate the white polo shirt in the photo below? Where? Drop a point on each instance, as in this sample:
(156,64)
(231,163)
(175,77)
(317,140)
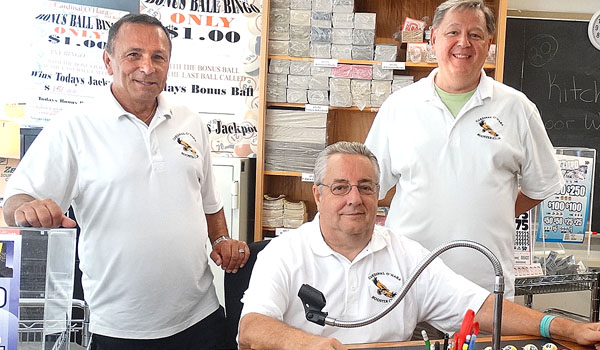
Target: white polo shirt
(456,178)
(439,296)
(139,194)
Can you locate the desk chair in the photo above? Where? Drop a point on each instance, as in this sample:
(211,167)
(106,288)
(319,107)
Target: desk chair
(235,285)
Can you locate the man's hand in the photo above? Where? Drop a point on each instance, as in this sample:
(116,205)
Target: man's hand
(230,254)
(587,334)
(258,331)
(41,213)
(329,344)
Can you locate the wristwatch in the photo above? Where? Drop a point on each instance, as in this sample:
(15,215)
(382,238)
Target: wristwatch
(220,239)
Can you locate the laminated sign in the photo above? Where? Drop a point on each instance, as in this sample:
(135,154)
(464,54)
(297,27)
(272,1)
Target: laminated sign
(564,215)
(10,272)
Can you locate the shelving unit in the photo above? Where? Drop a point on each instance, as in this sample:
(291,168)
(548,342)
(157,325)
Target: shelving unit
(530,286)
(350,124)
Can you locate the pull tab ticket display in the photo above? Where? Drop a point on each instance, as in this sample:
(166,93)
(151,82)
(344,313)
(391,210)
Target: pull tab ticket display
(564,215)
(10,272)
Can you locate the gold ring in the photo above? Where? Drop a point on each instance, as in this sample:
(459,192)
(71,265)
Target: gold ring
(242,251)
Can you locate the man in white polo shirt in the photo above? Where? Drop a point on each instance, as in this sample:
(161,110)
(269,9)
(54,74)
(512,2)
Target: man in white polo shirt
(360,268)
(455,143)
(137,171)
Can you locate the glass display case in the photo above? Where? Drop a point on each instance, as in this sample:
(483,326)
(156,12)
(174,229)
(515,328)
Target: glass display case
(36,288)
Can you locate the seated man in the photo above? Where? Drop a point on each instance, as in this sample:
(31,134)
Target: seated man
(360,268)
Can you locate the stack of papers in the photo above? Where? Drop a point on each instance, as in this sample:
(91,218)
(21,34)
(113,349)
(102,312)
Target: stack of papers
(273,211)
(293,139)
(294,214)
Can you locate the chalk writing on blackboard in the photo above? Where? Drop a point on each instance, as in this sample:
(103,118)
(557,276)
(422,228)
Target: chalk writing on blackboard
(556,66)
(541,49)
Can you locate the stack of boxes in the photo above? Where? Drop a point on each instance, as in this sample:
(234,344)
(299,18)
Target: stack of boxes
(321,29)
(326,29)
(293,139)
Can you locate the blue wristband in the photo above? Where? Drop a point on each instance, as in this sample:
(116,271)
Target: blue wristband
(545,325)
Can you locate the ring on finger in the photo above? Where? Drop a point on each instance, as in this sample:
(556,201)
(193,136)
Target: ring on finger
(242,251)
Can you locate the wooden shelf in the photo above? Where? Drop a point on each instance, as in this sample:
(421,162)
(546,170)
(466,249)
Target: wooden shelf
(422,65)
(349,123)
(283,173)
(300,105)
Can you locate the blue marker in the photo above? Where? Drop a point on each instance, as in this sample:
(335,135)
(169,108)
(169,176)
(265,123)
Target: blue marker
(472,342)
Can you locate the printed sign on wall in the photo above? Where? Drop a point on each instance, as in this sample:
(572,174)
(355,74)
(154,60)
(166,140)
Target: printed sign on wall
(214,66)
(67,68)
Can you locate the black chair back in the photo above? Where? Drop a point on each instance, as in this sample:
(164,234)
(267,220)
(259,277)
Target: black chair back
(235,285)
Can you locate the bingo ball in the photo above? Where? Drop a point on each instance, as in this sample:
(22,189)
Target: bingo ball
(255,24)
(252,103)
(251,116)
(251,64)
(530,347)
(248,82)
(488,348)
(242,150)
(254,45)
(509,347)
(549,346)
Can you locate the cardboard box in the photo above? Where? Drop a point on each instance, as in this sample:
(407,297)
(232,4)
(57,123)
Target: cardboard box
(7,168)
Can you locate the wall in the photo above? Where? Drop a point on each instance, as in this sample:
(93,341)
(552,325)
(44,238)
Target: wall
(578,6)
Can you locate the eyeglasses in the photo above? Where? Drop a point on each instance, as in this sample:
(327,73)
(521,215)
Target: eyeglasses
(343,188)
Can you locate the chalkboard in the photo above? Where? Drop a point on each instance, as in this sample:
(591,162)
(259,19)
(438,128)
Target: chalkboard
(556,66)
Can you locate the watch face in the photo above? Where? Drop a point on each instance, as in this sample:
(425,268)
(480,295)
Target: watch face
(594,30)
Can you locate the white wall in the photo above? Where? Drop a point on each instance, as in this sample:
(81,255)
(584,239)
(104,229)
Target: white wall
(16,18)
(577,6)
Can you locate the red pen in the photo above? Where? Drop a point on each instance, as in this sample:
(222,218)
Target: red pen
(465,328)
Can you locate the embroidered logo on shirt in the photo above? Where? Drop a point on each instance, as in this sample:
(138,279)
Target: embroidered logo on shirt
(489,127)
(185,139)
(382,280)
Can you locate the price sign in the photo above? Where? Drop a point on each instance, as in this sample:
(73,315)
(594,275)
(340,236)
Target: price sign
(393,65)
(308,177)
(324,62)
(316,108)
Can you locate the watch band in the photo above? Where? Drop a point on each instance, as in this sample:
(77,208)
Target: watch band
(220,239)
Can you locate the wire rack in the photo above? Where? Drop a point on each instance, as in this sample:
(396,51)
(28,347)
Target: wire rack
(555,283)
(31,326)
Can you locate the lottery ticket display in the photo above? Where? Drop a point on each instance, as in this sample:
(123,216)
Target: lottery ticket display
(565,216)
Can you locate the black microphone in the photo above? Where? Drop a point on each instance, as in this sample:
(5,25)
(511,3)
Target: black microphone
(313,301)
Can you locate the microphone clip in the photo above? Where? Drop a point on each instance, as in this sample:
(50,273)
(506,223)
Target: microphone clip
(313,301)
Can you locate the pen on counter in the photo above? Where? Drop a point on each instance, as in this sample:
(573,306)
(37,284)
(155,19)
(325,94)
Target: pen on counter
(436,345)
(466,343)
(445,341)
(426,339)
(474,336)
